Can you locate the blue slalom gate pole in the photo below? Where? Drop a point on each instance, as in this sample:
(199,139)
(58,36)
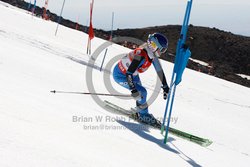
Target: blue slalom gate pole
(169,115)
(112,26)
(181,59)
(60,17)
(165,114)
(29,5)
(111,36)
(104,58)
(34,7)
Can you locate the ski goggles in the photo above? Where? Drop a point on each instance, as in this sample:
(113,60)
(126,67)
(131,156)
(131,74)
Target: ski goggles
(162,50)
(155,45)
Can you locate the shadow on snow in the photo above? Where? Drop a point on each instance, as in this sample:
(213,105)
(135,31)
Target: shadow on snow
(141,130)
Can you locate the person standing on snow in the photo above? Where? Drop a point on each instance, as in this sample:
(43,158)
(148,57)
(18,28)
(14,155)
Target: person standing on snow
(126,72)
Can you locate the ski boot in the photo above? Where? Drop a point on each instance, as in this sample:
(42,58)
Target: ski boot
(148,119)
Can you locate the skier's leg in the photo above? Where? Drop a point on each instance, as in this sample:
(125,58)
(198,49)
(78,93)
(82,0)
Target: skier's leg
(142,104)
(120,78)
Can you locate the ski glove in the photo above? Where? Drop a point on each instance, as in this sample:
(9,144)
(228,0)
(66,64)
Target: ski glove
(165,92)
(131,84)
(135,94)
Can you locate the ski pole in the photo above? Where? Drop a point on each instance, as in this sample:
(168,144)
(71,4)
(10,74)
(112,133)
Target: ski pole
(88,93)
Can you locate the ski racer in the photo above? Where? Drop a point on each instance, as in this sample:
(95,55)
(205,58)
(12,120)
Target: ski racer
(126,72)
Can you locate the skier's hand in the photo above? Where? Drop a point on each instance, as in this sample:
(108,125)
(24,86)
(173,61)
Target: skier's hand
(135,94)
(165,92)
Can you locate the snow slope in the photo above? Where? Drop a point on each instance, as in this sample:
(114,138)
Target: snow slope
(37,128)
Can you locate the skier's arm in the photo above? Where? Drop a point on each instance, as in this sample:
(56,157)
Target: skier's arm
(131,69)
(162,77)
(160,73)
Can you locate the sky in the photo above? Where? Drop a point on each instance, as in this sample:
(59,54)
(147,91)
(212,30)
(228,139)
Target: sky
(228,15)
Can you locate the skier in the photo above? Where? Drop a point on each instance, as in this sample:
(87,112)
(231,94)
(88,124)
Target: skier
(138,61)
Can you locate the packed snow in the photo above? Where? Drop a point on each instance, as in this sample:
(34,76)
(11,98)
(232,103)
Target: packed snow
(39,128)
(200,62)
(244,76)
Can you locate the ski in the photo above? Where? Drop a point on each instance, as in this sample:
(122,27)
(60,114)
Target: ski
(113,108)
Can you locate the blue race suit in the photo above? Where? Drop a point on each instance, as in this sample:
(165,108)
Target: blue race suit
(131,65)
